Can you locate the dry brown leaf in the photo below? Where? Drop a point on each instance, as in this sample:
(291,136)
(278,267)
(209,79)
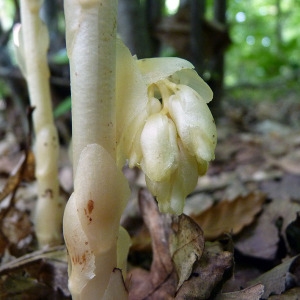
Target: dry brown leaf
(293,235)
(210,272)
(284,206)
(8,163)
(253,292)
(25,168)
(287,187)
(161,281)
(23,171)
(289,163)
(230,216)
(53,253)
(3,243)
(177,243)
(16,225)
(292,294)
(262,238)
(243,273)
(29,168)
(38,275)
(186,246)
(7,143)
(259,240)
(281,278)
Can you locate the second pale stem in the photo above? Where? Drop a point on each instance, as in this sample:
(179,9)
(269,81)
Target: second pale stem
(34,42)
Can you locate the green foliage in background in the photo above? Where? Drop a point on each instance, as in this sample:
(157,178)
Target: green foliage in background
(62,108)
(265,41)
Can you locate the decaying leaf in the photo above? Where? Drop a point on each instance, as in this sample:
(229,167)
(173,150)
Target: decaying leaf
(25,168)
(292,294)
(17,228)
(23,171)
(243,273)
(293,234)
(285,187)
(186,246)
(19,287)
(181,268)
(289,163)
(3,243)
(38,275)
(281,278)
(262,238)
(253,292)
(177,244)
(210,272)
(57,252)
(284,207)
(161,281)
(230,216)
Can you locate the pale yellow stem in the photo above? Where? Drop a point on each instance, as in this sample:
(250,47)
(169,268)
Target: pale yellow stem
(32,55)
(92,215)
(91,45)
(34,40)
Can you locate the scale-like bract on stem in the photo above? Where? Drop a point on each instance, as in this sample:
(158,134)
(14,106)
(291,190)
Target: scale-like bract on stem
(91,221)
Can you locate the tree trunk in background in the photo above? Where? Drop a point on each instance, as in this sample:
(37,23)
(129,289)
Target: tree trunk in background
(153,13)
(132,27)
(217,66)
(206,42)
(278,28)
(196,55)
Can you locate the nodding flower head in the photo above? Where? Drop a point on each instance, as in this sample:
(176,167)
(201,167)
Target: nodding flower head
(174,135)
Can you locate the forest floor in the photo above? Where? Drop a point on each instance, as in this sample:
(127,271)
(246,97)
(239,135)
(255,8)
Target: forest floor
(247,206)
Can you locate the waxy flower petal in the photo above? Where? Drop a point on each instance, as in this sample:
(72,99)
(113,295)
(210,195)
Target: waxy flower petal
(171,194)
(166,128)
(131,106)
(156,69)
(129,146)
(191,78)
(159,147)
(194,123)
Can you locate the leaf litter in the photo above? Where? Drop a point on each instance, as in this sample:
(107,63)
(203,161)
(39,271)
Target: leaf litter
(239,237)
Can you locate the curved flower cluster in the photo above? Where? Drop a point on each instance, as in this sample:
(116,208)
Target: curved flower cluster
(173,136)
